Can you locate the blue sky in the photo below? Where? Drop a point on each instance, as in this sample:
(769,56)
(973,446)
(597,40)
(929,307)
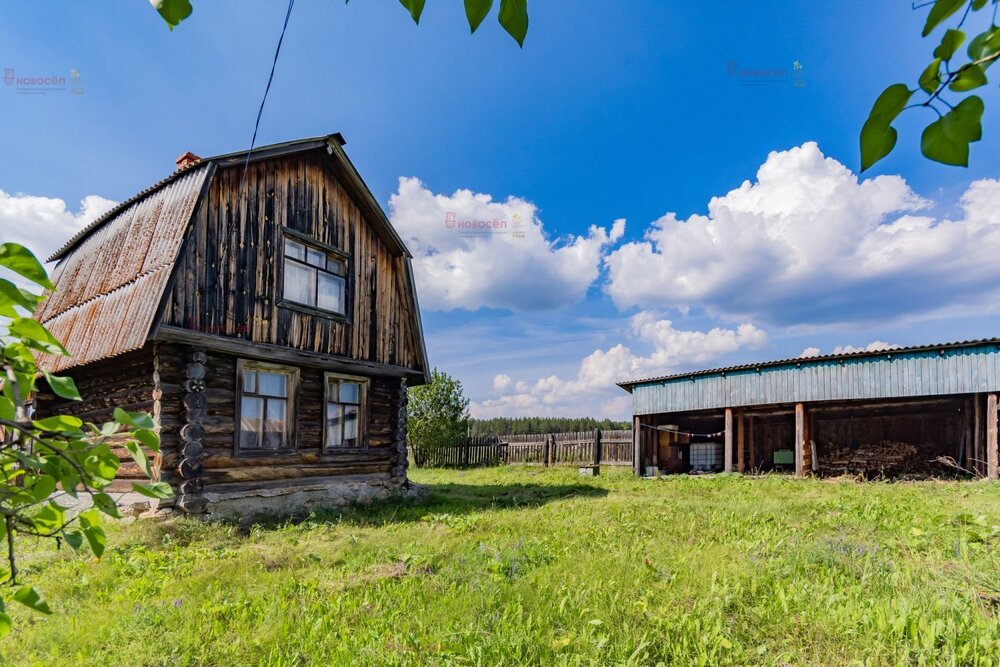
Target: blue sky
(626,110)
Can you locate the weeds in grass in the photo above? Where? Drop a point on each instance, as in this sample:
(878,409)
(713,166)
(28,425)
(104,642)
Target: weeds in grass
(528,566)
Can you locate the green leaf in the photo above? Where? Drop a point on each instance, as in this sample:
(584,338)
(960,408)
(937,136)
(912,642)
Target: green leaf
(891,103)
(514,19)
(148,438)
(7,410)
(941,10)
(63,387)
(102,464)
(158,490)
(947,139)
(43,487)
(137,419)
(415,7)
(21,261)
(949,44)
(11,294)
(979,4)
(985,44)
(74,539)
(91,527)
(969,78)
(476,11)
(5,624)
(49,519)
(29,597)
(106,504)
(878,137)
(36,336)
(139,456)
(172,11)
(59,424)
(930,79)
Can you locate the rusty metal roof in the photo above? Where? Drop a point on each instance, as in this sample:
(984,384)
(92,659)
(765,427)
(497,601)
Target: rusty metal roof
(110,286)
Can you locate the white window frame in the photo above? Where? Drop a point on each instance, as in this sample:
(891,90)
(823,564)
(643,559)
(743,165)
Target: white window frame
(363,382)
(332,255)
(288,443)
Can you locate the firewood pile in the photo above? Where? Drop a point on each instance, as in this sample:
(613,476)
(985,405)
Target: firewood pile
(882,458)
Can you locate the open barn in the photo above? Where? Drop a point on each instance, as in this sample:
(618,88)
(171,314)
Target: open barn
(915,411)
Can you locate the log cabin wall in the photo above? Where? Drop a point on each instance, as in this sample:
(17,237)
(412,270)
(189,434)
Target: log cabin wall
(256,482)
(128,382)
(228,282)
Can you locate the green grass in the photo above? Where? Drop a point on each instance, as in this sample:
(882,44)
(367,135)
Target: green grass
(529,566)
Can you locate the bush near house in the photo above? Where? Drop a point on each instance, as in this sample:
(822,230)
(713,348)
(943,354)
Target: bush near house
(517,565)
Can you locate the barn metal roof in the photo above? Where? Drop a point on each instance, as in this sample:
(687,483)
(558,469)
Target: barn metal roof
(920,370)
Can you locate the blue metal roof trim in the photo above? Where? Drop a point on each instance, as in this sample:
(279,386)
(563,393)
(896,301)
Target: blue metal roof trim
(900,373)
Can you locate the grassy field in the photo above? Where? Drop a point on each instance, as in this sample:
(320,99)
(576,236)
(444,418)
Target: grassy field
(530,566)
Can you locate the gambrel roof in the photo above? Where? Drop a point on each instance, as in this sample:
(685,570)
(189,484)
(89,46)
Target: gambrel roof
(114,274)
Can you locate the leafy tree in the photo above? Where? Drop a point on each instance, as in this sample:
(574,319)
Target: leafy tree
(947,138)
(513,14)
(533,425)
(57,453)
(437,414)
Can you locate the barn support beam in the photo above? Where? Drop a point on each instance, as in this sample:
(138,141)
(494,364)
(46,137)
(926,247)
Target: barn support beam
(803,448)
(977,433)
(992,453)
(636,445)
(728,449)
(741,441)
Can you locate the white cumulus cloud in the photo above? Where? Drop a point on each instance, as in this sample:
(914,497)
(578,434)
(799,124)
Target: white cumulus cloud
(593,390)
(43,224)
(810,243)
(470,251)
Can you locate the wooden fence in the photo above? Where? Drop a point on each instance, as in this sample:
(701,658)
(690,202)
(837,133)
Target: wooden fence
(548,449)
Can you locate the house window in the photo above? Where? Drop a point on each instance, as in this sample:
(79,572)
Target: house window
(314,277)
(266,407)
(345,400)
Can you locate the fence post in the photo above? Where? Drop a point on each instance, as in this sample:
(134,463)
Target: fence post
(597,447)
(548,446)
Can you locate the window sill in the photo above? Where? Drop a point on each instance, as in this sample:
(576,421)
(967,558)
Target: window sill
(309,310)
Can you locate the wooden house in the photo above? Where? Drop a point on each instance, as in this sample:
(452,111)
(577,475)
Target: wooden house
(264,312)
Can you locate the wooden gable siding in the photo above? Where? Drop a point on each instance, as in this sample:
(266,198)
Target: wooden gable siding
(228,280)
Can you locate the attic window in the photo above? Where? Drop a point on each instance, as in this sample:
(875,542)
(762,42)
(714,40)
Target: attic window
(314,277)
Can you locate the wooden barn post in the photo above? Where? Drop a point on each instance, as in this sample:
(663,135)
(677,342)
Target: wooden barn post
(992,454)
(741,441)
(728,448)
(803,451)
(636,447)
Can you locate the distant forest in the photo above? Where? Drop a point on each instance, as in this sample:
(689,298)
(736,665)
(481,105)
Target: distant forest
(522,425)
